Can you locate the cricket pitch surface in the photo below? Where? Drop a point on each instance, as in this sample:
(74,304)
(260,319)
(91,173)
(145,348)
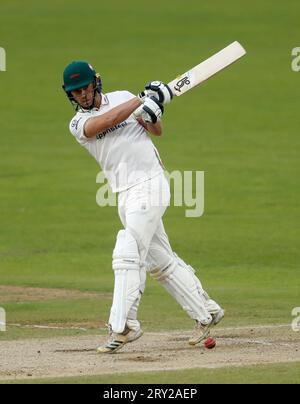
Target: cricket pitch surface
(154,351)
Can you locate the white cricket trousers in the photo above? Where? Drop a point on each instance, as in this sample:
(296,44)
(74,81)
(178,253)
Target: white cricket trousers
(141,209)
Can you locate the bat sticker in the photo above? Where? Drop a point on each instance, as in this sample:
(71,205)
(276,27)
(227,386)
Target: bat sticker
(184,81)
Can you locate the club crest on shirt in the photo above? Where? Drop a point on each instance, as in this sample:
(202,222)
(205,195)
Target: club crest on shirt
(75,123)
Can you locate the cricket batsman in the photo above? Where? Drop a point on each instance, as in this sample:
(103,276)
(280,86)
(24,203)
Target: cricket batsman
(115,128)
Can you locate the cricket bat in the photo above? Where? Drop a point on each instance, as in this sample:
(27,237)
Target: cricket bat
(207,69)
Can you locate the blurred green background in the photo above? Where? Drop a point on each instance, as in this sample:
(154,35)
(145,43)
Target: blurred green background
(241,128)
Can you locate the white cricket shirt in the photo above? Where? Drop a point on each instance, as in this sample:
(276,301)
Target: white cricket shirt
(125,152)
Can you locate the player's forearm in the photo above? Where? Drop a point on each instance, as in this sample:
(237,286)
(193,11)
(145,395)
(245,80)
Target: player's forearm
(100,123)
(154,128)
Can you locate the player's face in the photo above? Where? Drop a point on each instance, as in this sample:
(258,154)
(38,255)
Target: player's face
(84,96)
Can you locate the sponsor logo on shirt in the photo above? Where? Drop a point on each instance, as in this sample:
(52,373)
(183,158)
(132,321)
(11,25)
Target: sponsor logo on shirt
(112,129)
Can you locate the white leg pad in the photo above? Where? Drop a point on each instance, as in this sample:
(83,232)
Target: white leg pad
(132,321)
(180,281)
(126,266)
(209,303)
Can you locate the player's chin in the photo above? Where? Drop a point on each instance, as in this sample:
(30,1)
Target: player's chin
(86,105)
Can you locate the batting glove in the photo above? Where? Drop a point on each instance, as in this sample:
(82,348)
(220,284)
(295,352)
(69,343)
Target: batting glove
(151,111)
(157,89)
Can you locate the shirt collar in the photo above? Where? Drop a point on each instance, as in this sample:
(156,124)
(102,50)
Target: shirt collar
(104,101)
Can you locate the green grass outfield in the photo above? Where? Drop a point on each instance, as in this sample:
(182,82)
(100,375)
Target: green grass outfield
(263,374)
(241,128)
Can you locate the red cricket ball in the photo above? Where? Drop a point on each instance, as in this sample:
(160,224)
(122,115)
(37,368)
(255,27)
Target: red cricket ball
(210,343)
